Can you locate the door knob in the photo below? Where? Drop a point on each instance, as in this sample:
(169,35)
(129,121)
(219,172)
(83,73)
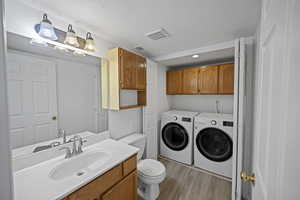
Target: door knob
(54,118)
(248,178)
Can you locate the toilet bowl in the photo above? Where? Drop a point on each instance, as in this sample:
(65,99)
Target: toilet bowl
(150,172)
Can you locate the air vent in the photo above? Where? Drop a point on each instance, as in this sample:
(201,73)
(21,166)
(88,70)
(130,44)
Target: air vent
(158,34)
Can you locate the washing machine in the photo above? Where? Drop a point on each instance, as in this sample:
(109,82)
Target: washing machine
(176,135)
(213,143)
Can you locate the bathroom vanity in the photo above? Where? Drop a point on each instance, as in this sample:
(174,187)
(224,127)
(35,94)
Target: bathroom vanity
(118,183)
(104,171)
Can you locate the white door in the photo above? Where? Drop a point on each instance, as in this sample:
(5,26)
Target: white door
(32,99)
(150,117)
(272,100)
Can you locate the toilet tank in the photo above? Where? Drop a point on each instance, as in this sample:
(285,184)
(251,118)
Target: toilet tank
(137,140)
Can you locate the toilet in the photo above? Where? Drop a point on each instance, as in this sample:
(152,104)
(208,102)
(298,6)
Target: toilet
(150,172)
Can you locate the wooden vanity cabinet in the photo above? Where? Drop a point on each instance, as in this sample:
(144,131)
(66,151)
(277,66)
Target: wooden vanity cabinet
(118,183)
(124,189)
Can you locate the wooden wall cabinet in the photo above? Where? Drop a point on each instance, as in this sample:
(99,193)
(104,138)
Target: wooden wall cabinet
(174,82)
(122,70)
(215,79)
(226,79)
(190,81)
(113,185)
(208,80)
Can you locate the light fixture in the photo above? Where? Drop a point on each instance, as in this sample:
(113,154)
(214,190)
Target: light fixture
(195,56)
(60,48)
(78,53)
(71,38)
(38,42)
(46,29)
(89,43)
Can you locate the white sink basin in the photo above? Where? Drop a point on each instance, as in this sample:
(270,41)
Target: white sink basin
(79,165)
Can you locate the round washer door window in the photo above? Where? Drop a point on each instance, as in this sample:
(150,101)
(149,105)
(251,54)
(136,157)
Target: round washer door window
(175,136)
(214,144)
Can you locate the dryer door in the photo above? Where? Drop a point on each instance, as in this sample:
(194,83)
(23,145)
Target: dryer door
(214,144)
(175,136)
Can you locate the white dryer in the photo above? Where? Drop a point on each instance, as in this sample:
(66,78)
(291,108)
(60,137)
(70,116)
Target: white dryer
(213,143)
(176,136)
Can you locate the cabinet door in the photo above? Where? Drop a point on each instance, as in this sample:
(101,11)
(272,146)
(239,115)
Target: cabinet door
(226,79)
(174,82)
(125,190)
(140,73)
(127,69)
(208,80)
(190,80)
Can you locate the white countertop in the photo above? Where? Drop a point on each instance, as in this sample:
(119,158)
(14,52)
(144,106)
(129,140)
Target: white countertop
(34,183)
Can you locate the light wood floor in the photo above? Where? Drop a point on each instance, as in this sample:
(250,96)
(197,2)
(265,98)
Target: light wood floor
(185,183)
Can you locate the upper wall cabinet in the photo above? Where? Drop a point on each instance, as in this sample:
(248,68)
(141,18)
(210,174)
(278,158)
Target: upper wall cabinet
(208,80)
(226,79)
(123,71)
(190,81)
(217,79)
(174,82)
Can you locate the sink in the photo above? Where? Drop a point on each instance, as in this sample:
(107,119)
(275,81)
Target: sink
(79,165)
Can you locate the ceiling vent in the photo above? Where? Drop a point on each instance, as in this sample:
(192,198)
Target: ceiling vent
(158,34)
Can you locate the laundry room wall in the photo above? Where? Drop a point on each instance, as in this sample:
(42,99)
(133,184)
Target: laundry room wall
(202,103)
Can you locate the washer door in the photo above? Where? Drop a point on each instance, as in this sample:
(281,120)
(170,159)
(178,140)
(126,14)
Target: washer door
(214,144)
(175,136)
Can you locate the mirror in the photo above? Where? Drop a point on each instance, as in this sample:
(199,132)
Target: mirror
(52,96)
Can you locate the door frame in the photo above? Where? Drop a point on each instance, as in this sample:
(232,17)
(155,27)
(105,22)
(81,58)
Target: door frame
(6,186)
(238,117)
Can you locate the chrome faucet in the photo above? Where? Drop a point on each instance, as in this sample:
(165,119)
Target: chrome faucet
(62,133)
(75,149)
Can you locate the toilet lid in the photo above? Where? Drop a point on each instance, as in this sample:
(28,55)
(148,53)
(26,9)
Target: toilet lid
(150,167)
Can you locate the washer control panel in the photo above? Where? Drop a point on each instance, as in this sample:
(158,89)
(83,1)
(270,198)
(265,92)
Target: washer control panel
(186,119)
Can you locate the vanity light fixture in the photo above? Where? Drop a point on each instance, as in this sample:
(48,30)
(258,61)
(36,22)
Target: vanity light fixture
(71,38)
(195,56)
(46,29)
(60,48)
(38,42)
(78,53)
(89,43)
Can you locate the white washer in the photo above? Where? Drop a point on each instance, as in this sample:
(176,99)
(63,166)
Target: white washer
(176,135)
(213,143)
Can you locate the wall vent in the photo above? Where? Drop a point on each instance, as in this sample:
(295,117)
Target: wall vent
(158,34)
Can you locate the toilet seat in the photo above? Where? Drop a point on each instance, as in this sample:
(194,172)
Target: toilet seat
(150,168)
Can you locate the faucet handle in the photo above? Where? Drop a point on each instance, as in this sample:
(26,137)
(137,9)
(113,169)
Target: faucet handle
(81,141)
(68,151)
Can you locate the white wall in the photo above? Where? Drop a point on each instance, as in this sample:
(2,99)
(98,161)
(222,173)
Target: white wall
(21,18)
(124,122)
(6,185)
(202,103)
